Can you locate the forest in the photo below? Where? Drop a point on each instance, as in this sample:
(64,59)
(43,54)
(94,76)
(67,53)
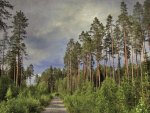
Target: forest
(106,70)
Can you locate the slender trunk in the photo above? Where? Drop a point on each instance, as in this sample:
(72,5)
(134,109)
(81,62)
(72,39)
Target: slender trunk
(70,76)
(112,54)
(92,79)
(14,68)
(106,65)
(118,68)
(125,54)
(113,68)
(132,66)
(98,80)
(17,71)
(90,66)
(0,71)
(109,66)
(85,69)
(78,78)
(3,58)
(136,65)
(141,69)
(149,37)
(104,68)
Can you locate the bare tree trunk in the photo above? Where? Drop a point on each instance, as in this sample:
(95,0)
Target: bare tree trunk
(132,66)
(112,54)
(136,65)
(17,70)
(118,68)
(3,52)
(141,69)
(98,80)
(125,54)
(109,66)
(106,65)
(85,68)
(78,80)
(70,76)
(0,71)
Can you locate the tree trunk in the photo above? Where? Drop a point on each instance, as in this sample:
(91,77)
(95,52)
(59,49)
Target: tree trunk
(141,69)
(14,71)
(17,70)
(98,80)
(70,76)
(132,66)
(78,78)
(91,68)
(125,54)
(136,65)
(109,66)
(85,68)
(118,68)
(106,65)
(0,71)
(112,54)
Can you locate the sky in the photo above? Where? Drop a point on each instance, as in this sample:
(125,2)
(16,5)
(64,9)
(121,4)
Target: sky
(53,22)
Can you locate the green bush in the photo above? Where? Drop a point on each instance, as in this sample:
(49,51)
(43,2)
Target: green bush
(9,93)
(20,105)
(83,101)
(44,100)
(13,106)
(5,82)
(106,97)
(42,88)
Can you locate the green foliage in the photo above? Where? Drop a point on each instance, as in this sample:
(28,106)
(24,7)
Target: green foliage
(141,107)
(44,99)
(42,87)
(26,100)
(106,97)
(9,93)
(20,105)
(4,85)
(83,101)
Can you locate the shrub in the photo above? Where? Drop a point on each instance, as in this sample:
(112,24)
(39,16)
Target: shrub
(42,88)
(83,101)
(9,93)
(44,100)
(106,97)
(5,82)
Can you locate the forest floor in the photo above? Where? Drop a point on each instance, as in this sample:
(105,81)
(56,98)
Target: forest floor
(55,106)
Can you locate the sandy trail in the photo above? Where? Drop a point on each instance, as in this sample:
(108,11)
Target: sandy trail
(55,106)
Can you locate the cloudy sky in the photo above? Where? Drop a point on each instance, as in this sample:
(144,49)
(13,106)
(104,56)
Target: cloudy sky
(53,22)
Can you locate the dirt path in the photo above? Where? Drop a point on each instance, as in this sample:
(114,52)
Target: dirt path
(55,106)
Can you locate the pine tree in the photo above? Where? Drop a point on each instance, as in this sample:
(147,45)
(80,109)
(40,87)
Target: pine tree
(97,30)
(118,42)
(69,64)
(18,47)
(110,40)
(87,53)
(78,52)
(124,23)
